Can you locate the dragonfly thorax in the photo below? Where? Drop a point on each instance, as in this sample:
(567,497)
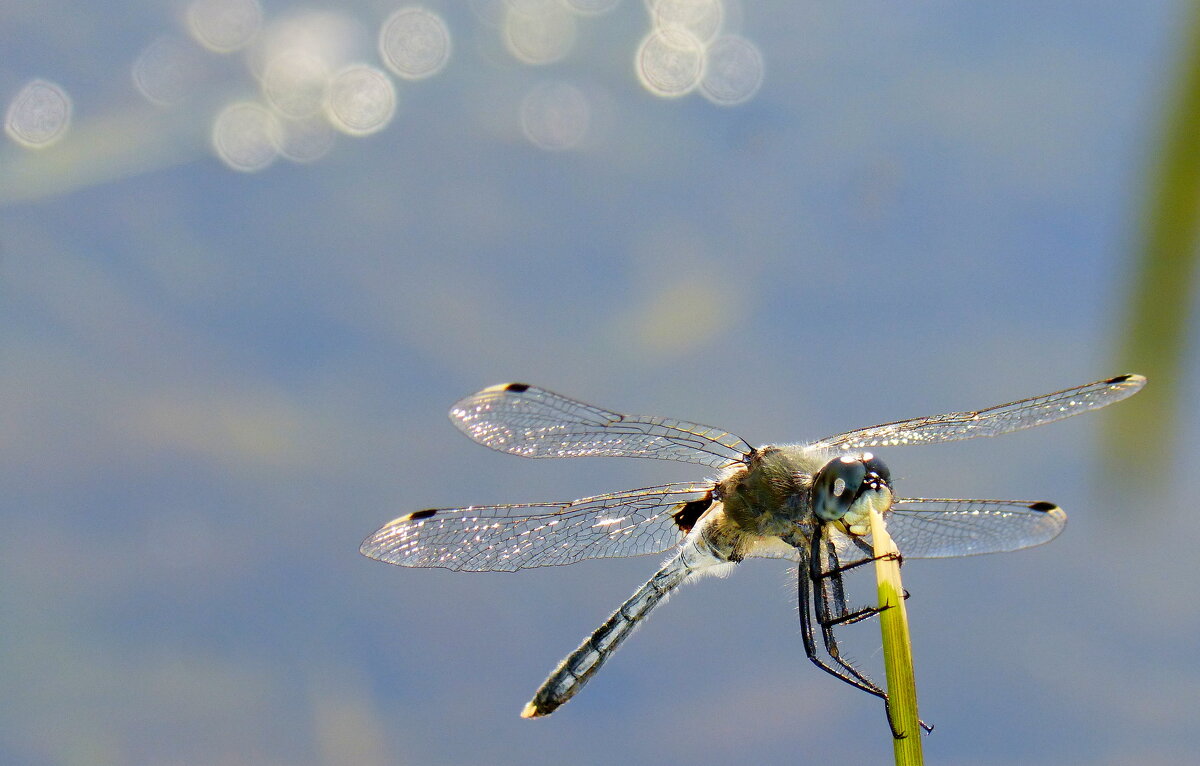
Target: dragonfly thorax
(772,493)
(788,485)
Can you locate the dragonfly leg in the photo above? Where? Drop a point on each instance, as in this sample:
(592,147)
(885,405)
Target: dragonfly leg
(869,552)
(849,618)
(829,604)
(832,573)
(856,563)
(832,576)
(898,733)
(806,599)
(828,581)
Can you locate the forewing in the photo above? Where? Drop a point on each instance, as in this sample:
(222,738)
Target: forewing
(928,528)
(504,538)
(1003,418)
(532,422)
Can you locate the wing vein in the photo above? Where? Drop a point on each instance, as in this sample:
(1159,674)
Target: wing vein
(511,537)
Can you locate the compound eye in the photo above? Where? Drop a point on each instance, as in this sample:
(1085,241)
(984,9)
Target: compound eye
(875,465)
(837,486)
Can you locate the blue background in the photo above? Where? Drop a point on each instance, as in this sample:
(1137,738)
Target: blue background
(215,384)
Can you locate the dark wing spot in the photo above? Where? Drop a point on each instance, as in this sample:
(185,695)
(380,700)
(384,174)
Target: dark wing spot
(517,388)
(689,513)
(1043,507)
(417,515)
(1118,379)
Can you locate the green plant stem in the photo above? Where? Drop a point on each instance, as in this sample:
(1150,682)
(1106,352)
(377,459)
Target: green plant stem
(897,648)
(1163,279)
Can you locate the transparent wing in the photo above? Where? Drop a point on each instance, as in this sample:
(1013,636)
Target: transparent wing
(926,528)
(533,422)
(1001,419)
(504,538)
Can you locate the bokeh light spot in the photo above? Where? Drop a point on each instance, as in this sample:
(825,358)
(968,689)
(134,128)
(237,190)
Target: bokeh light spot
(246,136)
(592,7)
(294,83)
(38,115)
(555,116)
(223,26)
(361,101)
(734,71)
(414,43)
(168,70)
(702,18)
(334,39)
(670,62)
(306,140)
(538,31)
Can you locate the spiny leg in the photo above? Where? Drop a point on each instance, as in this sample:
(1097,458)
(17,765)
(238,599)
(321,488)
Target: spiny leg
(828,581)
(868,554)
(832,580)
(830,599)
(825,572)
(810,649)
(856,563)
(849,618)
(806,598)
(869,611)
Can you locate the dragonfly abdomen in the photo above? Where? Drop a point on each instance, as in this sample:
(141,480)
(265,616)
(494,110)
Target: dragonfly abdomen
(580,665)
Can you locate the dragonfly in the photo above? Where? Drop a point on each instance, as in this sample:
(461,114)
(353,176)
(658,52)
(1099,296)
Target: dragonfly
(809,502)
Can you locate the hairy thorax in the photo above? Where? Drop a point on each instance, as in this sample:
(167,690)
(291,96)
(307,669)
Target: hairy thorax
(766,503)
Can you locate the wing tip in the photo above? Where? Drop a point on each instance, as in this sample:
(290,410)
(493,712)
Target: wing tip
(1051,511)
(1129,380)
(515,388)
(468,408)
(369,547)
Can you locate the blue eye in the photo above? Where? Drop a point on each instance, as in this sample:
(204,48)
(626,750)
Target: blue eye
(837,486)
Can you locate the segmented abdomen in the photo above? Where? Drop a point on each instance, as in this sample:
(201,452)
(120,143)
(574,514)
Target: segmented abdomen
(579,666)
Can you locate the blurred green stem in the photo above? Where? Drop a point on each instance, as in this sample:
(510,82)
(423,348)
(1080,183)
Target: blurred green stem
(1156,329)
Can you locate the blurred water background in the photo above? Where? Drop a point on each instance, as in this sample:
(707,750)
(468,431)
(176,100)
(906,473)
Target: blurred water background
(250,254)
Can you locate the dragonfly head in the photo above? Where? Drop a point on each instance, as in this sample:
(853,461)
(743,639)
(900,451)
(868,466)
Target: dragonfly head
(848,487)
